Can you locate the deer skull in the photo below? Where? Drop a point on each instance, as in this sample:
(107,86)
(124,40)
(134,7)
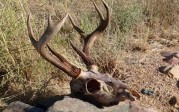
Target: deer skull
(102,87)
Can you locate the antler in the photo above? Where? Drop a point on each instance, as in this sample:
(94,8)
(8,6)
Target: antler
(89,39)
(102,87)
(54,58)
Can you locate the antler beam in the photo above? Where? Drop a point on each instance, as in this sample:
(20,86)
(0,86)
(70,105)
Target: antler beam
(89,39)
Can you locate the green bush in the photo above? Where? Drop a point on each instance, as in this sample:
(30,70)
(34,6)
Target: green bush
(128,16)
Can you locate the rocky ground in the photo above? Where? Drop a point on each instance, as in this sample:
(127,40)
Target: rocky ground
(142,72)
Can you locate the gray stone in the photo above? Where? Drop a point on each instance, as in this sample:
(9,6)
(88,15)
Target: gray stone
(69,104)
(21,107)
(175,71)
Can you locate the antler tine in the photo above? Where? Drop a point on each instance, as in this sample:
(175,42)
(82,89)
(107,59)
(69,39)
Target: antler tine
(55,59)
(102,26)
(81,32)
(90,38)
(99,13)
(51,30)
(87,60)
(30,32)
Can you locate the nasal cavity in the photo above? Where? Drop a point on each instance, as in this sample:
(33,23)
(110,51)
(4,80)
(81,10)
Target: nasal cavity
(93,86)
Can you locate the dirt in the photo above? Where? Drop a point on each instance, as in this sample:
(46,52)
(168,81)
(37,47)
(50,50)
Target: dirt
(142,72)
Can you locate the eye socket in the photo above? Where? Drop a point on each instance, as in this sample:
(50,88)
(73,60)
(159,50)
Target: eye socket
(93,86)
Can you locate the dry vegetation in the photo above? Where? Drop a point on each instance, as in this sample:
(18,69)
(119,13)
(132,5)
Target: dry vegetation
(128,50)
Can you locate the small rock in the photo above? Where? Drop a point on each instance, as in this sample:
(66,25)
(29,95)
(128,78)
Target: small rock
(171,58)
(166,53)
(175,71)
(170,54)
(2,72)
(165,69)
(147,91)
(174,101)
(177,84)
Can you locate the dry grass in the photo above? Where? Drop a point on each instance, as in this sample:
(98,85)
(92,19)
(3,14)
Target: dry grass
(134,27)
